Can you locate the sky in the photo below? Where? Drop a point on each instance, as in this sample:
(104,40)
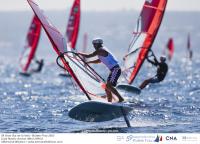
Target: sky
(97,5)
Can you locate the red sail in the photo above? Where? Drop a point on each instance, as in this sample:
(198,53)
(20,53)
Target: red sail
(76,69)
(143,36)
(170,47)
(73,24)
(32,40)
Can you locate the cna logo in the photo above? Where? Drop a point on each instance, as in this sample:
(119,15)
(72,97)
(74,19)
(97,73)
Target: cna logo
(171,138)
(158,138)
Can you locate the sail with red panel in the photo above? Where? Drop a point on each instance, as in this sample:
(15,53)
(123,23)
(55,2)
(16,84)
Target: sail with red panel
(143,37)
(84,76)
(73,28)
(73,24)
(32,40)
(170,48)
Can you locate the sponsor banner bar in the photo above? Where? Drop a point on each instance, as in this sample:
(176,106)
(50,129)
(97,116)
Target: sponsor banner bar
(99,138)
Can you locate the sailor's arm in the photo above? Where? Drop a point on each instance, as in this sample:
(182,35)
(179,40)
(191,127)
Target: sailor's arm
(94,61)
(88,55)
(155,61)
(152,62)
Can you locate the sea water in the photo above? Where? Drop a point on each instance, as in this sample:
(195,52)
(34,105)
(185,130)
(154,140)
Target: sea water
(41,102)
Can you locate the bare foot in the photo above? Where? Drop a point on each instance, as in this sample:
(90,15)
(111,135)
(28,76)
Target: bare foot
(121,99)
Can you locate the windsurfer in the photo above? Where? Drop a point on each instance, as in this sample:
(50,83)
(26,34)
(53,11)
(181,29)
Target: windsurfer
(111,63)
(40,64)
(190,54)
(189,47)
(162,69)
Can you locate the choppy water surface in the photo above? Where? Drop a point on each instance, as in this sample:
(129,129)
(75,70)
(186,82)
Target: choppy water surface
(40,103)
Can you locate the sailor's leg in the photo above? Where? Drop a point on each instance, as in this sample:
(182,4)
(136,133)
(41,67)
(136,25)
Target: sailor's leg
(114,91)
(145,83)
(190,54)
(109,94)
(112,81)
(151,80)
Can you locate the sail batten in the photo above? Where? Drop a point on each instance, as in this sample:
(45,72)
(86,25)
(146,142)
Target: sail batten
(153,7)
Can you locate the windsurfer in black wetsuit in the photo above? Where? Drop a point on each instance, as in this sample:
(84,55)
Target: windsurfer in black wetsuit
(162,69)
(40,64)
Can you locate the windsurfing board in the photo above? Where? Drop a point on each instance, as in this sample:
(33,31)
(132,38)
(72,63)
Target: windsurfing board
(129,88)
(25,74)
(98,111)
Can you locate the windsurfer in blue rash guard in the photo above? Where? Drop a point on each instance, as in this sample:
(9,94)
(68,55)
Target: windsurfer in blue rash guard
(111,63)
(162,69)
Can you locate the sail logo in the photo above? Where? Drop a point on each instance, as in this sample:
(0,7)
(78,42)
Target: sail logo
(158,138)
(76,8)
(150,1)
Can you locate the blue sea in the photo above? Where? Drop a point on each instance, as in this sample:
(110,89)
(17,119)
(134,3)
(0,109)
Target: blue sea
(40,103)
